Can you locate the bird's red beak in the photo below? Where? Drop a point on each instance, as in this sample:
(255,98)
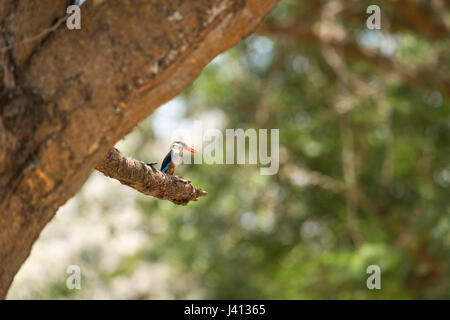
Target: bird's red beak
(190,149)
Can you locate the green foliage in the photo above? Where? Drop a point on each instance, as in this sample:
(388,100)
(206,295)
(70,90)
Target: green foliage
(276,237)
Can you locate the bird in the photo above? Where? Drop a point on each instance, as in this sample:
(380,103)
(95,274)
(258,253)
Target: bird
(173,158)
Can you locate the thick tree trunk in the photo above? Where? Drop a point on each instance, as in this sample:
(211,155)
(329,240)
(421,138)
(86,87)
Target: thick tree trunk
(67,97)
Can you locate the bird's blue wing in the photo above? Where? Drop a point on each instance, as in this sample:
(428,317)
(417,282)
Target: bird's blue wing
(166,162)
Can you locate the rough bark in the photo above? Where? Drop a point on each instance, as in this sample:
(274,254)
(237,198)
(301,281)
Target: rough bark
(67,98)
(148,180)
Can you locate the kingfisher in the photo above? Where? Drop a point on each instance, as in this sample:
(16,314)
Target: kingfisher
(173,158)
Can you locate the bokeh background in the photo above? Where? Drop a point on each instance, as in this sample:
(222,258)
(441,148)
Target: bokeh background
(364,172)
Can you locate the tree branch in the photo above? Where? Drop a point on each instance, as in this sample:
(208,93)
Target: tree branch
(148,180)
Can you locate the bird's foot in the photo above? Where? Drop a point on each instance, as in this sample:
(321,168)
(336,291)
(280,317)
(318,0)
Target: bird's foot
(151,164)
